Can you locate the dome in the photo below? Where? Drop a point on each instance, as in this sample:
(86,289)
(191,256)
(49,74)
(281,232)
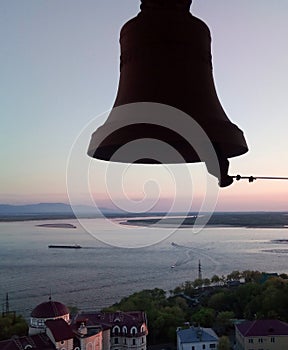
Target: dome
(49,309)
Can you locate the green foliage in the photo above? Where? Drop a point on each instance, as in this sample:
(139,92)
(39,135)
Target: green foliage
(219,304)
(189,288)
(219,301)
(12,324)
(215,279)
(205,317)
(224,343)
(275,298)
(164,315)
(251,276)
(206,282)
(223,321)
(198,283)
(234,276)
(73,310)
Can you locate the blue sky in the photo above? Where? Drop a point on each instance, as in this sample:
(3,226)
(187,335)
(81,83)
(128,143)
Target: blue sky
(60,69)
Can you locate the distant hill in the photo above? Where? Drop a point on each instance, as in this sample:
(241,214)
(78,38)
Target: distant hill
(40,208)
(45,211)
(48,211)
(220,219)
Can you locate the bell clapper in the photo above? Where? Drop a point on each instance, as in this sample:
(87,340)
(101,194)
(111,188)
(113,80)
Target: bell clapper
(253,178)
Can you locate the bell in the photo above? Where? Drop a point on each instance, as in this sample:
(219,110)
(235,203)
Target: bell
(166,59)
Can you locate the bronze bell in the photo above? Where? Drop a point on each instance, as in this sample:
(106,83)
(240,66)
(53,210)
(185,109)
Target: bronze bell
(166,59)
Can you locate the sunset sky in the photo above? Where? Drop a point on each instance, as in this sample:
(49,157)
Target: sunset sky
(59,72)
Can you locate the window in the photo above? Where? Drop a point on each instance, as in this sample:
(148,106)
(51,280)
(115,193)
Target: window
(260,340)
(116,330)
(272,340)
(133,330)
(116,341)
(40,323)
(33,322)
(142,340)
(203,346)
(134,342)
(212,346)
(193,347)
(250,341)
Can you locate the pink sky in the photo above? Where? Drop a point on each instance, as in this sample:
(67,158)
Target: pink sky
(60,69)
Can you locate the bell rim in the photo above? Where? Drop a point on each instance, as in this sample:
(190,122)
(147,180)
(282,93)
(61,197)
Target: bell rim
(233,146)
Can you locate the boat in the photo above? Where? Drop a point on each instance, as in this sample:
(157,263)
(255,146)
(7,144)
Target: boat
(74,246)
(172,266)
(61,225)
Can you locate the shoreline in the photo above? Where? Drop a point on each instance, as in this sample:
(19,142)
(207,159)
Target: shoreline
(257,220)
(207,226)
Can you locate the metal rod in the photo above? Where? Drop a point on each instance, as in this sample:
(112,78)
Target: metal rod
(252,178)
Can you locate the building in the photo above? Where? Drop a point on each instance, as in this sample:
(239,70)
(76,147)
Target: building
(126,330)
(261,334)
(50,328)
(60,333)
(34,342)
(50,310)
(196,338)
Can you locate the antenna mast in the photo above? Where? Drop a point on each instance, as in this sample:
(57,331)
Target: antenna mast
(199,270)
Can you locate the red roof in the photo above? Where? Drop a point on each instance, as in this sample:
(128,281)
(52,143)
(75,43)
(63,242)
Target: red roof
(38,342)
(49,309)
(262,328)
(111,319)
(59,329)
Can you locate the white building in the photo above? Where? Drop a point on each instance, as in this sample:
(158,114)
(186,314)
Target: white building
(196,338)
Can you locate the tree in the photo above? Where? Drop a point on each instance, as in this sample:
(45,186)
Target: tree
(198,283)
(188,288)
(234,276)
(177,290)
(224,321)
(284,276)
(275,299)
(164,315)
(206,282)
(73,310)
(251,276)
(243,295)
(204,317)
(182,304)
(214,307)
(223,280)
(224,343)
(215,279)
(219,301)
(11,324)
